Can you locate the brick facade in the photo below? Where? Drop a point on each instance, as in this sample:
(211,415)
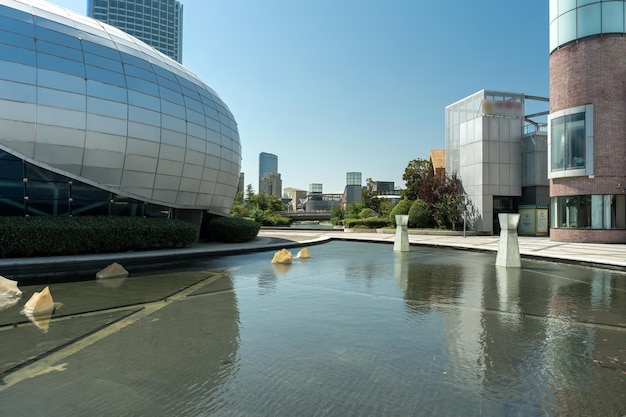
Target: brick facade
(593,71)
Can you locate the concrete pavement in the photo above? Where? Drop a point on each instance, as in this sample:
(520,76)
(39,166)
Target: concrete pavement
(604,255)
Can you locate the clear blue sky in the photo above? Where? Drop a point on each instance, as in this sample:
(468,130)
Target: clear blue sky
(332,86)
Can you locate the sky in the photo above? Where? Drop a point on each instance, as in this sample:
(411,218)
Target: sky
(337,86)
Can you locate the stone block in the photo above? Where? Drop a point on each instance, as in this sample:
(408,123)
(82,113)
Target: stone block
(114,270)
(283,256)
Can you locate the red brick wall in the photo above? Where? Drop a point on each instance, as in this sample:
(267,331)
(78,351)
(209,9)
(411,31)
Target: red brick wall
(588,236)
(593,71)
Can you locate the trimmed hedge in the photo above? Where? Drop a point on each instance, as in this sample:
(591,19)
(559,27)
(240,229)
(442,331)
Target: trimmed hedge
(229,230)
(369,223)
(49,236)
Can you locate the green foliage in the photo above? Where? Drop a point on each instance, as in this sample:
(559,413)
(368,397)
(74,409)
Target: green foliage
(339,212)
(369,197)
(48,236)
(354,209)
(275,220)
(368,223)
(367,212)
(229,230)
(385,208)
(402,207)
(262,208)
(420,214)
(267,202)
(415,172)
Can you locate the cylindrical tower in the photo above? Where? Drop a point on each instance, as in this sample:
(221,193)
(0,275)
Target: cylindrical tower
(587,122)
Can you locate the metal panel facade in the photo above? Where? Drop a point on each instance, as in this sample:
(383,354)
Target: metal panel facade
(88,101)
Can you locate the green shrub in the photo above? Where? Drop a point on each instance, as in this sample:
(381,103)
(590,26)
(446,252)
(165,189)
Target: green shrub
(275,220)
(420,214)
(229,230)
(402,207)
(368,223)
(46,236)
(367,212)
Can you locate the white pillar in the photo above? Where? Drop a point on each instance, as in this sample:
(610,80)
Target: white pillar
(508,250)
(401,241)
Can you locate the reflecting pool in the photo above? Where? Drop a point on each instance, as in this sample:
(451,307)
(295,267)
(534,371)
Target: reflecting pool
(356,330)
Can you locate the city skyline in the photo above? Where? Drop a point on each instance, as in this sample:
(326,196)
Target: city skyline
(368,92)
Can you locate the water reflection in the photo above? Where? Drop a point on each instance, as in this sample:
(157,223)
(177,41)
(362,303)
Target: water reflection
(356,330)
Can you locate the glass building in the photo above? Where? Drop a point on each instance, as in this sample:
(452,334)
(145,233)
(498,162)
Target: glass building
(586,146)
(159,23)
(268,164)
(483,146)
(94,121)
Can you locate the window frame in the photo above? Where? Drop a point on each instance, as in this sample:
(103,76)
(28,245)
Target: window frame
(572,171)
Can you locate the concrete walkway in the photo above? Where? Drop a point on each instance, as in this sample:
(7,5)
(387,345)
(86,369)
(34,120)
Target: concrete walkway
(607,255)
(601,255)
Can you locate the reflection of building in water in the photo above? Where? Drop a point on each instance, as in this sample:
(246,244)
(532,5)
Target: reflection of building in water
(526,331)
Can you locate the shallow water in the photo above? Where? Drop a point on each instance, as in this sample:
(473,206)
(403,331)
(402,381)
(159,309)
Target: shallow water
(356,330)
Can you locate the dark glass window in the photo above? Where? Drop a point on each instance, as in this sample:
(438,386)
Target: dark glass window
(568,147)
(26,42)
(58,38)
(58,64)
(101,50)
(19,55)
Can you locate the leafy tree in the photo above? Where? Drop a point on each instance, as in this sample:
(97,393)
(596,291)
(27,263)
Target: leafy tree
(249,192)
(414,174)
(420,214)
(369,197)
(385,207)
(354,209)
(367,212)
(402,207)
(449,200)
(339,212)
(267,202)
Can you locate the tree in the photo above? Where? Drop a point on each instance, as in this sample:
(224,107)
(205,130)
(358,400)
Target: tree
(449,198)
(369,197)
(402,207)
(420,214)
(267,202)
(414,174)
(249,192)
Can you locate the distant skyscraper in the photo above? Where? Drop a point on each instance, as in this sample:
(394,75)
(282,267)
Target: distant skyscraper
(159,23)
(268,164)
(271,184)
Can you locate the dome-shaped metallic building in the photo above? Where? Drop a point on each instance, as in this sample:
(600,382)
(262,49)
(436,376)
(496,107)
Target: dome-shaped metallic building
(587,122)
(94,121)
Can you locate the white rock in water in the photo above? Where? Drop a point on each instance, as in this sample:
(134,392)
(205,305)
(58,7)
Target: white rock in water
(8,288)
(304,253)
(39,303)
(114,270)
(283,256)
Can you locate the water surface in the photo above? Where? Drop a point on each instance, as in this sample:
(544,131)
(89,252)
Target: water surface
(356,330)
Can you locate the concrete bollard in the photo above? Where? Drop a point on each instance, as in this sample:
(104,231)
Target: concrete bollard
(401,240)
(508,249)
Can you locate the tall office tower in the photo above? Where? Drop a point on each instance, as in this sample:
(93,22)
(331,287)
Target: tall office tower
(271,184)
(268,163)
(587,121)
(159,23)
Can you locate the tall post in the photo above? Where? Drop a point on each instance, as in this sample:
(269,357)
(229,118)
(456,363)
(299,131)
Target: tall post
(401,241)
(508,249)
